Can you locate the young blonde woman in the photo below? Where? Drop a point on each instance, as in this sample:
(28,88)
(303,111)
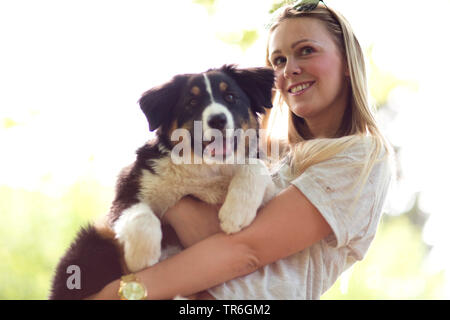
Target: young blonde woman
(334,181)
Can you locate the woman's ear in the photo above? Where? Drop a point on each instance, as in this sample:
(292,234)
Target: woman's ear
(257,83)
(158,102)
(346,70)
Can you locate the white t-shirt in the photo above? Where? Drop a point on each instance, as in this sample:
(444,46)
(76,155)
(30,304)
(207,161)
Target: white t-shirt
(329,186)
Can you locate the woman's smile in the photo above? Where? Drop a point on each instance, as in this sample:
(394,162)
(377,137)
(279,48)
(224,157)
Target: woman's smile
(300,88)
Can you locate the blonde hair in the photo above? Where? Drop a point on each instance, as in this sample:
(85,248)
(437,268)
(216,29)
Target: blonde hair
(358,120)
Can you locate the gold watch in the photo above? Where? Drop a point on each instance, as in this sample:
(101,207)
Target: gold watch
(131,288)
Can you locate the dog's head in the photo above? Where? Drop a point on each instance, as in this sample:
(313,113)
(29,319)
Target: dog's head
(217,101)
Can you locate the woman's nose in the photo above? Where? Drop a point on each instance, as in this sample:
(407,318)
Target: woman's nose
(292,69)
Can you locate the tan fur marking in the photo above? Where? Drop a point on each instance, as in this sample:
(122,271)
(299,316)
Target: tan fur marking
(253,121)
(187,126)
(244,126)
(195,90)
(223,86)
(173,127)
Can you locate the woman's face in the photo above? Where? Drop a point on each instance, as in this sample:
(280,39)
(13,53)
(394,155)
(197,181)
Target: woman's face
(309,68)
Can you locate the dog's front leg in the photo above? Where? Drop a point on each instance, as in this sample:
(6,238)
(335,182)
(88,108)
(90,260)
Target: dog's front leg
(138,230)
(250,187)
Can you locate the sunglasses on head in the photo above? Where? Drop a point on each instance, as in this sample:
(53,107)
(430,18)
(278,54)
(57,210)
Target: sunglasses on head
(307,5)
(300,6)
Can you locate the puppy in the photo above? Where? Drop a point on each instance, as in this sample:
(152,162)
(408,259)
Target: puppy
(221,104)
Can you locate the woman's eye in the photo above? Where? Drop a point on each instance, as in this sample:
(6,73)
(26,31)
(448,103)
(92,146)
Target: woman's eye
(306,50)
(229,97)
(278,61)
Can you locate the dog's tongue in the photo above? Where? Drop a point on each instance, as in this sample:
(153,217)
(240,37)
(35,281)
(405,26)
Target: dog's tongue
(226,149)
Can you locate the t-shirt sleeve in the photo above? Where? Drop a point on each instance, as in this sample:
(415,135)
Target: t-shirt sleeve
(351,206)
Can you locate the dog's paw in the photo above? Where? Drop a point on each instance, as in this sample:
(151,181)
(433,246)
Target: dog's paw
(142,257)
(139,231)
(234,218)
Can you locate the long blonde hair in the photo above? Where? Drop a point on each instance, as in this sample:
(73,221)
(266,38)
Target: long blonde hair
(358,121)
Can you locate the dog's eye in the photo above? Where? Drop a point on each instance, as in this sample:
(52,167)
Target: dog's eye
(229,97)
(193,102)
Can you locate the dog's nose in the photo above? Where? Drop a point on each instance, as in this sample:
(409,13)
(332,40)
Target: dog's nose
(217,121)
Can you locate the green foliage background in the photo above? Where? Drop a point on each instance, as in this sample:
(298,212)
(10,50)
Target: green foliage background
(36,229)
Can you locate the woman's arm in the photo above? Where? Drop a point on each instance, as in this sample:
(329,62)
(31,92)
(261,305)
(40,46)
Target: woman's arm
(193,220)
(287,224)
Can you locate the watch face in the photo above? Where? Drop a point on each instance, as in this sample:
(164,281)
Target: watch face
(134,291)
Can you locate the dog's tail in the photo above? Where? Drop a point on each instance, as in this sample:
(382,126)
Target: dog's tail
(91,262)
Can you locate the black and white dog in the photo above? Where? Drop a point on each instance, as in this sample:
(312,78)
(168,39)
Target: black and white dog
(196,107)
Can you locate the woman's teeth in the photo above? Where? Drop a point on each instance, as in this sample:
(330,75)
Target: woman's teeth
(300,87)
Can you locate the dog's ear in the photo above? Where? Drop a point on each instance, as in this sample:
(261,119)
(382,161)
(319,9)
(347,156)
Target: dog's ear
(257,83)
(158,102)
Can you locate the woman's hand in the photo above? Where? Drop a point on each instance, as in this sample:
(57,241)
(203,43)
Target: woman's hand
(193,220)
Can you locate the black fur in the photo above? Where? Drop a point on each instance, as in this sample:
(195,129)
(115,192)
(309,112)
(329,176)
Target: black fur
(90,252)
(157,103)
(128,184)
(257,83)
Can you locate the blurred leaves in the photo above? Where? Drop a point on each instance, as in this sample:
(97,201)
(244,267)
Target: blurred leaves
(279,3)
(14,117)
(9,123)
(209,5)
(382,82)
(392,269)
(243,39)
(36,229)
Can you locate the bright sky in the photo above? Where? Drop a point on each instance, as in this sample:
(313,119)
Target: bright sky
(72,72)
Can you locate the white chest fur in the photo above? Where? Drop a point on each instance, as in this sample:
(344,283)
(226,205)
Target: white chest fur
(241,189)
(171,182)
